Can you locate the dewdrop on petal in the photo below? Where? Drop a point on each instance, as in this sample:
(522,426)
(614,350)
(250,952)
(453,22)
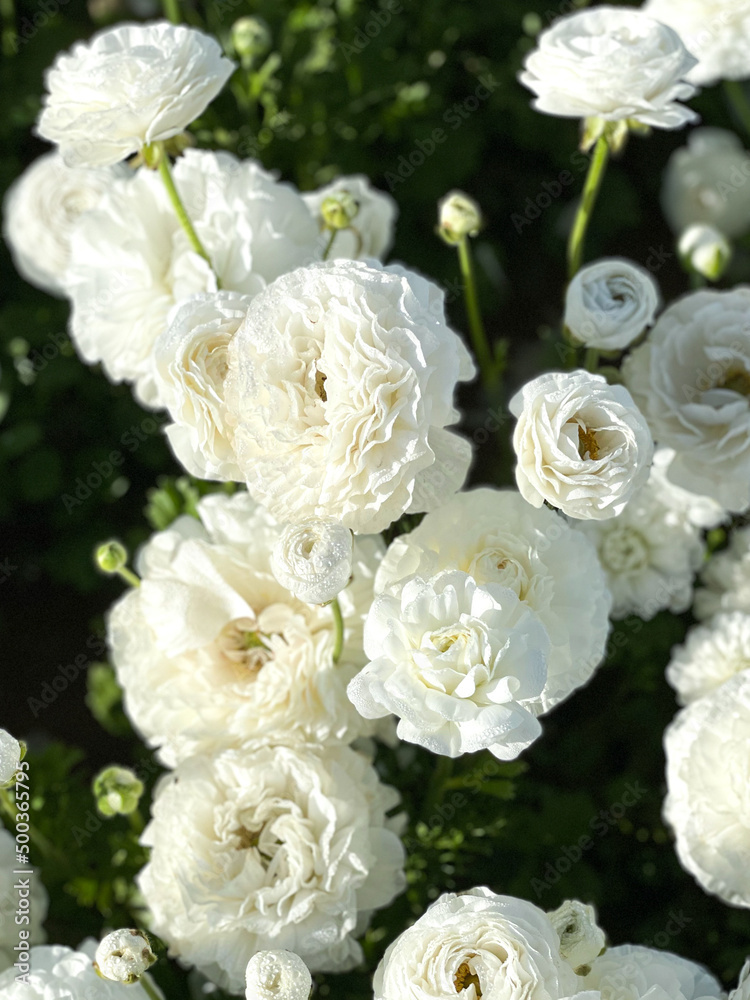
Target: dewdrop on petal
(705,250)
(123,956)
(313,559)
(581,939)
(11,752)
(459,216)
(277,975)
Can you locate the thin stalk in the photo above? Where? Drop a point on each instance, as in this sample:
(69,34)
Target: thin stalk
(329,244)
(478,333)
(591,188)
(172,10)
(129,576)
(149,988)
(338,621)
(180,211)
(591,360)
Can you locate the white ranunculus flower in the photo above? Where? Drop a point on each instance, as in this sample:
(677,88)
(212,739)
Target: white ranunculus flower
(371,232)
(457,663)
(716,32)
(581,938)
(9,902)
(708,181)
(707,803)
(131,261)
(726,579)
(633,972)
(313,559)
(124,955)
(610,303)
(691,380)
(277,975)
(710,655)
(273,848)
(581,444)
(340,386)
(10,756)
(705,250)
(40,210)
(129,86)
(702,511)
(499,538)
(476,944)
(212,651)
(612,63)
(190,365)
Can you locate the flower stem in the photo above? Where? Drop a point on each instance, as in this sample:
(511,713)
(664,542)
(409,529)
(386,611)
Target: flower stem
(149,988)
(329,244)
(129,576)
(180,211)
(591,360)
(588,200)
(487,368)
(172,10)
(338,621)
(437,784)
(738,99)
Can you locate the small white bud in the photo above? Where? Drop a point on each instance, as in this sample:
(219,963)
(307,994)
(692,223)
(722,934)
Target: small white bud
(459,216)
(581,939)
(339,210)
(705,250)
(313,559)
(277,975)
(10,757)
(123,956)
(251,37)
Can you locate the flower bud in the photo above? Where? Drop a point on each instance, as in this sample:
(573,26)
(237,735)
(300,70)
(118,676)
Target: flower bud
(581,939)
(277,975)
(339,210)
(11,753)
(117,790)
(313,559)
(460,216)
(705,250)
(123,956)
(251,37)
(111,556)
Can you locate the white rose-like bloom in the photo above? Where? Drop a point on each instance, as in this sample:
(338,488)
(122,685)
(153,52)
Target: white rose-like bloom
(457,663)
(702,511)
(313,559)
(726,579)
(581,938)
(612,63)
(710,655)
(270,849)
(129,86)
(476,944)
(340,386)
(212,651)
(40,210)
(124,955)
(131,260)
(277,975)
(610,303)
(691,380)
(582,445)
(717,32)
(10,756)
(499,538)
(372,229)
(707,804)
(633,972)
(9,900)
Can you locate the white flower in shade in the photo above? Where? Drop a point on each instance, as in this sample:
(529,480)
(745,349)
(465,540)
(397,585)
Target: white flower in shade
(277,975)
(340,388)
(190,365)
(124,955)
(707,804)
(313,559)
(742,991)
(270,849)
(10,756)
(726,579)
(581,938)
(611,63)
(633,972)
(702,511)
(691,379)
(581,444)
(458,664)
(610,303)
(716,32)
(705,250)
(212,651)
(129,86)
(9,904)
(708,181)
(39,212)
(371,231)
(500,539)
(476,944)
(131,261)
(710,655)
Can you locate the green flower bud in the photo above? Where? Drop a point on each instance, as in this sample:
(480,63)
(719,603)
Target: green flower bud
(705,250)
(459,216)
(339,210)
(251,37)
(111,556)
(117,791)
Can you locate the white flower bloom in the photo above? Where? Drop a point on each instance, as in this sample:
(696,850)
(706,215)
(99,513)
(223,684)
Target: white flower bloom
(705,250)
(581,444)
(458,663)
(131,261)
(710,655)
(707,804)
(726,579)
(702,511)
(476,944)
(9,902)
(277,975)
(499,538)
(10,756)
(313,559)
(691,379)
(371,233)
(717,32)
(610,303)
(268,849)
(650,554)
(129,86)
(124,955)
(633,972)
(581,938)
(612,63)
(40,210)
(212,651)
(708,181)
(340,386)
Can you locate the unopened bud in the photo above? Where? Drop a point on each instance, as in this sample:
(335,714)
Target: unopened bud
(459,217)
(313,559)
(705,250)
(111,556)
(117,791)
(339,210)
(581,938)
(123,956)
(277,975)
(251,37)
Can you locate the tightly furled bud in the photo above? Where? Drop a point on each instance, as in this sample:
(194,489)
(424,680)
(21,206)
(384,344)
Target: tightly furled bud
(111,556)
(313,559)
(277,975)
(339,210)
(251,37)
(123,956)
(581,939)
(459,216)
(117,791)
(705,250)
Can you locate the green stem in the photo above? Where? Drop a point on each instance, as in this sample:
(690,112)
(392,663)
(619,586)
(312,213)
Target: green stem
(172,10)
(437,784)
(329,244)
(591,360)
(149,988)
(9,37)
(738,99)
(180,211)
(476,326)
(588,200)
(338,621)
(129,576)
